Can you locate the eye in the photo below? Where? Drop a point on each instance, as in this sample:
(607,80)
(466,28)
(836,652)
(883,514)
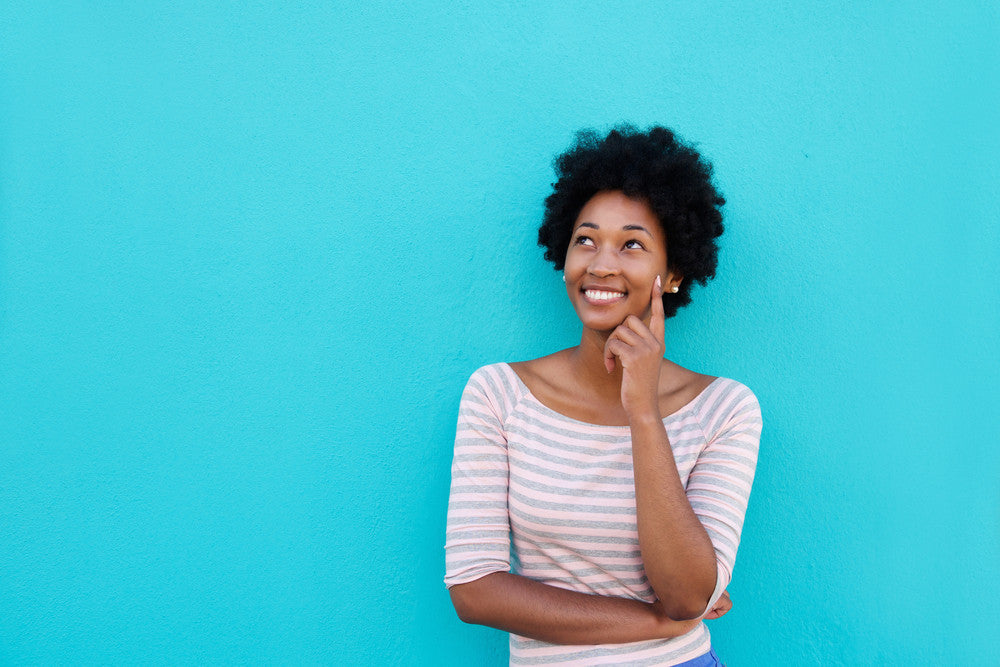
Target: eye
(633,244)
(583,240)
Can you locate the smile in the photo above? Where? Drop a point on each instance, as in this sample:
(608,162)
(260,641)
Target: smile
(602,296)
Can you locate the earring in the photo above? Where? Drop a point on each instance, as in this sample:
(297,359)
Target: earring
(564,277)
(674,289)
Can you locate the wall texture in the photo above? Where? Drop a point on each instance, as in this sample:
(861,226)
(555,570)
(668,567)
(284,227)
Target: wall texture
(250,253)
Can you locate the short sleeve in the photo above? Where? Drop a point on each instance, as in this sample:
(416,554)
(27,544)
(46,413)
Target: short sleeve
(477,539)
(718,487)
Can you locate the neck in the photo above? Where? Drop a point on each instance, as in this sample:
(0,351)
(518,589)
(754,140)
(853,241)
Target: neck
(589,368)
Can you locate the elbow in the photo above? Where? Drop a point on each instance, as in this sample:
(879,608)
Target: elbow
(687,605)
(477,601)
(679,611)
(687,600)
(464,604)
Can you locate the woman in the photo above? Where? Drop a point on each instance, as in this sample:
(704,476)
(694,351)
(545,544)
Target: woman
(615,480)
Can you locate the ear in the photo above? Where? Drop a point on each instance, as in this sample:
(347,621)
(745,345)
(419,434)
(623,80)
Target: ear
(673,282)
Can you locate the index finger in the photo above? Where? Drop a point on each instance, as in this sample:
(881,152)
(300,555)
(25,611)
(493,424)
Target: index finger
(656,310)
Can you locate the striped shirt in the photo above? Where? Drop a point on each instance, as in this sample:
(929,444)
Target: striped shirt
(557,497)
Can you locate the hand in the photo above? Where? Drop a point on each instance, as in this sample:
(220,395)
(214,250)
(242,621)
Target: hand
(722,605)
(638,347)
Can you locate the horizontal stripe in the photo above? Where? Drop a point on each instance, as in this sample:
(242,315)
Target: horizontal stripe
(555,550)
(545,502)
(578,567)
(565,520)
(528,483)
(459,548)
(637,653)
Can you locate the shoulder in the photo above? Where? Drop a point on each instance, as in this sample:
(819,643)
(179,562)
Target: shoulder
(549,381)
(495,386)
(543,368)
(727,406)
(734,388)
(543,376)
(680,386)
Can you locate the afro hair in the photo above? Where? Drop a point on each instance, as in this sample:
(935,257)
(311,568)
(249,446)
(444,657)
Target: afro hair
(653,167)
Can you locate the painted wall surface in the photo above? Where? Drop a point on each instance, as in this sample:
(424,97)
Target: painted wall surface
(250,253)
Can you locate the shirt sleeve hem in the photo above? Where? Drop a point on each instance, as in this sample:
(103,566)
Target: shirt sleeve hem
(721,581)
(470,576)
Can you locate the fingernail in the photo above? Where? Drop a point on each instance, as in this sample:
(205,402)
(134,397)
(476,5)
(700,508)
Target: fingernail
(658,282)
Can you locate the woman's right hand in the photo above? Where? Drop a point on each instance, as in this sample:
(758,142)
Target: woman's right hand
(671,628)
(721,606)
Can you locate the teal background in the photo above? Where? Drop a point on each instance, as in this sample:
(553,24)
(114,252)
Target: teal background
(250,253)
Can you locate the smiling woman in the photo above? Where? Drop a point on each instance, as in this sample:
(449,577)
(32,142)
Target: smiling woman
(616,479)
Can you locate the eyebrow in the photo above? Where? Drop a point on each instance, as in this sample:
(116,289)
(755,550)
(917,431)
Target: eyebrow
(627,228)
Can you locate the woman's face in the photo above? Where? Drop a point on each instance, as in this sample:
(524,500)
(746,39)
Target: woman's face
(616,250)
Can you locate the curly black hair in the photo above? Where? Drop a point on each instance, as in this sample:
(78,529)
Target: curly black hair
(655,167)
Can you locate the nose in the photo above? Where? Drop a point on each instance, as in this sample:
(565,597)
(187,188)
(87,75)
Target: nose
(604,263)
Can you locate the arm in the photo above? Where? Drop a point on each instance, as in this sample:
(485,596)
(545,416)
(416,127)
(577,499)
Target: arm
(532,609)
(682,532)
(677,553)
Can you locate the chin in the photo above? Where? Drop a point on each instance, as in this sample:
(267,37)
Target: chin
(602,324)
(609,322)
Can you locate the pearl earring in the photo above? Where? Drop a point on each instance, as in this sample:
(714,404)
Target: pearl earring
(674,288)
(564,277)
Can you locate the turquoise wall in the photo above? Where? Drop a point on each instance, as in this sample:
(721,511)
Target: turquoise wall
(249,255)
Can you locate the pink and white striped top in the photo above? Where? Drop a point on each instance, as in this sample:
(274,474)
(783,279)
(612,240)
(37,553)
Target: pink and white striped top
(557,497)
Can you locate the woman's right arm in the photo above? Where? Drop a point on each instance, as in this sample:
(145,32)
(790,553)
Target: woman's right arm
(532,609)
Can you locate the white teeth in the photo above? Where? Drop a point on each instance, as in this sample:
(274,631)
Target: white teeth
(600,295)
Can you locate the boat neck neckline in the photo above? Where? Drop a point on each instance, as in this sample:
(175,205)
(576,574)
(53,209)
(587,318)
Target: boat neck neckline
(684,408)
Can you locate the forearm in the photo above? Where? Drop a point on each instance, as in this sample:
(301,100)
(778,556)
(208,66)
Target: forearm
(677,554)
(532,609)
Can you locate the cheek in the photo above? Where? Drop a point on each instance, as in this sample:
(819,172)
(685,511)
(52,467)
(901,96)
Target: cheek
(573,264)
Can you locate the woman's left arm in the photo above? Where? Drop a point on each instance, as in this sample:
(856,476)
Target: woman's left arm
(678,554)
